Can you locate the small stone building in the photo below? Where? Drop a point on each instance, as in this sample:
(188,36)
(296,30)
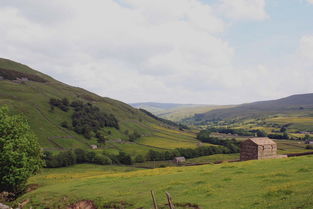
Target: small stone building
(179,160)
(258,148)
(93,146)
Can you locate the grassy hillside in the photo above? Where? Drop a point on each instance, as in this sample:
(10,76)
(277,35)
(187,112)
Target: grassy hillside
(294,113)
(31,98)
(301,104)
(177,112)
(273,184)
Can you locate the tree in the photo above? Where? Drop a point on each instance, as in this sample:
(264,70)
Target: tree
(100,138)
(80,155)
(66,158)
(20,154)
(65,102)
(260,133)
(139,159)
(90,157)
(134,136)
(124,158)
(103,160)
(64,124)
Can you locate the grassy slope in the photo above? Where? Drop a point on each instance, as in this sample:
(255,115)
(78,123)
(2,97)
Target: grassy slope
(31,99)
(272,184)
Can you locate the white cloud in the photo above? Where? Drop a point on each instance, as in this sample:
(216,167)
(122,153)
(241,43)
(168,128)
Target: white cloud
(243,9)
(306,48)
(137,50)
(310,1)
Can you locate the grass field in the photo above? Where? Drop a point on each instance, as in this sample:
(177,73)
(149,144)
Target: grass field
(290,146)
(214,158)
(297,122)
(273,184)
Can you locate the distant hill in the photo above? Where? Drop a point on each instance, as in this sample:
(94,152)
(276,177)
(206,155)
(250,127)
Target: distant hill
(174,111)
(29,92)
(295,104)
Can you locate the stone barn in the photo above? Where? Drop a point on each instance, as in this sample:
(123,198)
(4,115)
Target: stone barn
(179,160)
(258,148)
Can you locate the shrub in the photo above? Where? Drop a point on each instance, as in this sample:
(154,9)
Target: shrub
(134,136)
(91,157)
(103,160)
(139,159)
(64,124)
(20,155)
(80,155)
(124,158)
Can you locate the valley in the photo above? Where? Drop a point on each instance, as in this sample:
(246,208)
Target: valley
(112,154)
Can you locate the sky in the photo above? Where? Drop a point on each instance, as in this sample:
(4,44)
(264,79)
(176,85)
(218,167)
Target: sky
(178,51)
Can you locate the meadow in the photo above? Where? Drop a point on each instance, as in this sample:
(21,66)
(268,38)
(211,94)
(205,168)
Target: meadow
(273,184)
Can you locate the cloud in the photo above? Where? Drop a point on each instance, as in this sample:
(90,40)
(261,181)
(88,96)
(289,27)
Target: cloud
(306,49)
(243,9)
(139,50)
(310,1)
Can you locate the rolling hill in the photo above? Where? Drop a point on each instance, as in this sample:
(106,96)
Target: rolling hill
(297,104)
(28,92)
(177,112)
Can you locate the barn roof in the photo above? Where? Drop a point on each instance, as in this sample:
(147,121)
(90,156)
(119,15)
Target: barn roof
(262,140)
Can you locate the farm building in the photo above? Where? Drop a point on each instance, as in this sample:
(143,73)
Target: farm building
(258,148)
(93,146)
(179,160)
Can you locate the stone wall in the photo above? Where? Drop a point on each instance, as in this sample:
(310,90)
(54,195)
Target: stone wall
(248,151)
(267,151)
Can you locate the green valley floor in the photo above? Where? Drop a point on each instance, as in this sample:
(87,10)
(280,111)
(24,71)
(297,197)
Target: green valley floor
(273,184)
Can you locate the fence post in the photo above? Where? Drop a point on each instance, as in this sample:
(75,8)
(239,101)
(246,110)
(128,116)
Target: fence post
(169,200)
(154,200)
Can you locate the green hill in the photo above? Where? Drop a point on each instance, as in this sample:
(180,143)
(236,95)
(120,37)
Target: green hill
(28,92)
(272,184)
(177,112)
(294,112)
(302,103)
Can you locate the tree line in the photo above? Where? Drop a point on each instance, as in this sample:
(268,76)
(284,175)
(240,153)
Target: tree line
(78,156)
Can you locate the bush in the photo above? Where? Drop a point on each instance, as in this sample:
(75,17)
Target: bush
(124,158)
(139,159)
(80,155)
(20,155)
(66,158)
(309,146)
(91,157)
(64,124)
(134,136)
(103,160)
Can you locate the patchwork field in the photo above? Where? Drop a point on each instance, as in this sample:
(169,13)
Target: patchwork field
(297,123)
(273,184)
(169,139)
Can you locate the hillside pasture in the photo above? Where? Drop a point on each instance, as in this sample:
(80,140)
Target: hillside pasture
(302,123)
